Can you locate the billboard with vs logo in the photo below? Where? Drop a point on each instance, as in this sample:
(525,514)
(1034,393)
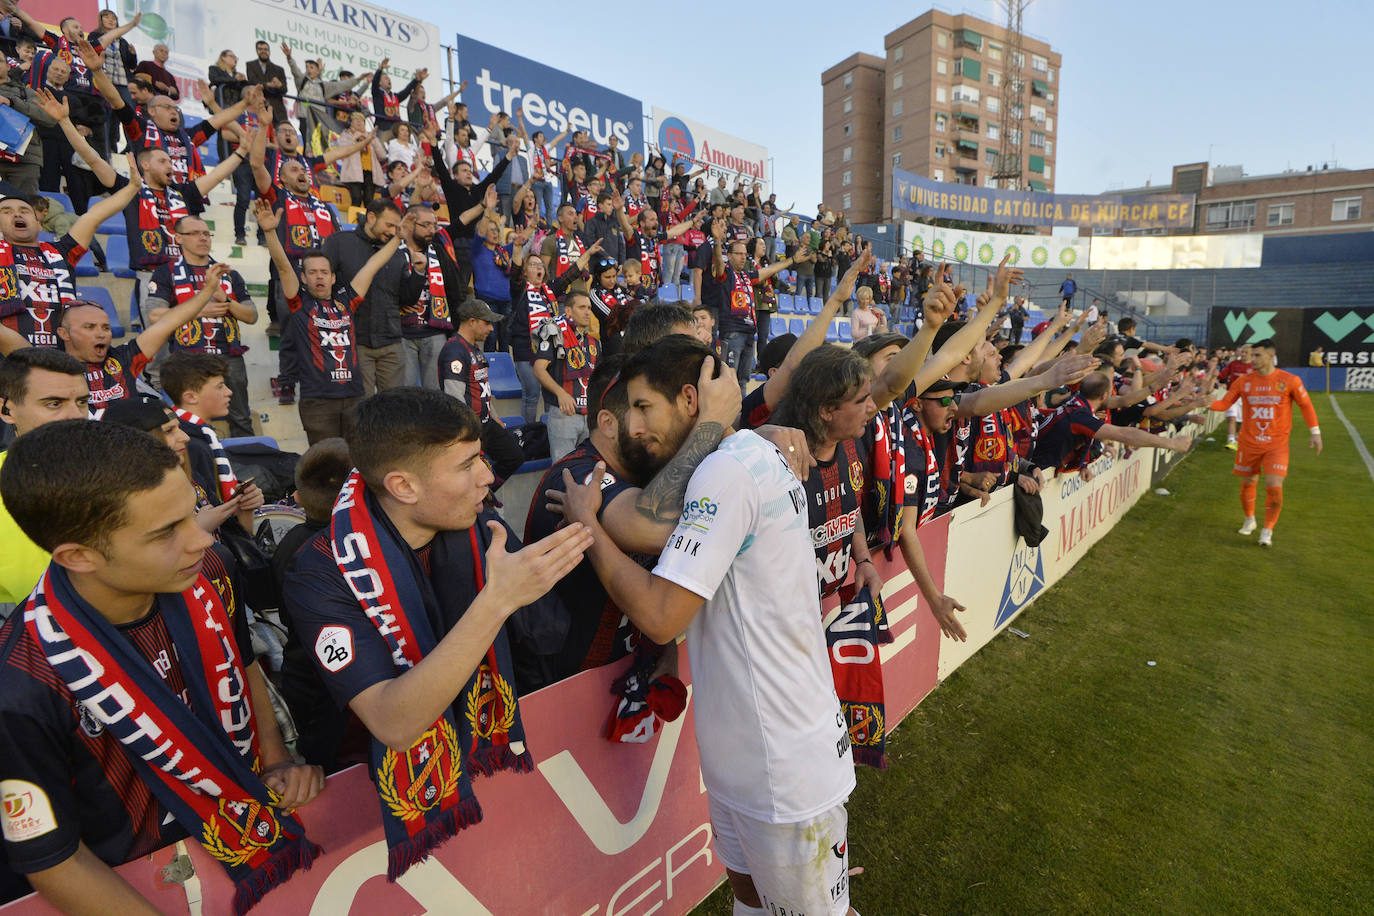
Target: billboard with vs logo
(1305,336)
(705,147)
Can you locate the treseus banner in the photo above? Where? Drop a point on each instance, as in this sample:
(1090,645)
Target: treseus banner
(914,196)
(552,99)
(1305,336)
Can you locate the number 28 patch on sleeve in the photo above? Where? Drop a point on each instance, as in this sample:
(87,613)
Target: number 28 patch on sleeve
(334,648)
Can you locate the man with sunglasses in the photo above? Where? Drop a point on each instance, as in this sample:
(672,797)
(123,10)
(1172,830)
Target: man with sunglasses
(216,329)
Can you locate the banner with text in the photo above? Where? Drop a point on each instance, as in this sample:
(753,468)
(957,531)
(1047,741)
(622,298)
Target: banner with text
(1305,336)
(724,155)
(988,248)
(552,100)
(352,35)
(914,196)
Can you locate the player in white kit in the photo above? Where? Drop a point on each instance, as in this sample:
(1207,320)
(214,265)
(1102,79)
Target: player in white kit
(739,577)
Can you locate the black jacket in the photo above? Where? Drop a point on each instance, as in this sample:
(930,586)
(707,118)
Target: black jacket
(460,198)
(378,319)
(258,74)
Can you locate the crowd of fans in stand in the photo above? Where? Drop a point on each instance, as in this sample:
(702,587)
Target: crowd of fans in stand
(414,617)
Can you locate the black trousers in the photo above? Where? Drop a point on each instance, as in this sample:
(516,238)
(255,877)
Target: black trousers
(499,445)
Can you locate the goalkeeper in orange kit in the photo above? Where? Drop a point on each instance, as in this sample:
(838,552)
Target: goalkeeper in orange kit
(1268,394)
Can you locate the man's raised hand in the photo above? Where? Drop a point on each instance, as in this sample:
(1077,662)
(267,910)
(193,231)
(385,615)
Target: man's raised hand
(57,109)
(1071,369)
(268,219)
(1005,277)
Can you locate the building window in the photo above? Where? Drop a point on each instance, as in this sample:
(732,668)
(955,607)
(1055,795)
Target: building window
(1018,59)
(1049,147)
(994,132)
(849,80)
(897,134)
(897,108)
(994,78)
(1049,98)
(941,122)
(989,182)
(1037,114)
(939,151)
(897,80)
(990,156)
(1014,136)
(940,94)
(1049,171)
(1037,140)
(848,104)
(1049,123)
(847,179)
(847,130)
(964,94)
(1239,214)
(896,160)
(1049,76)
(1039,64)
(898,53)
(937,174)
(941,66)
(1345,208)
(994,52)
(1280,215)
(847,154)
(846,202)
(994,104)
(942,39)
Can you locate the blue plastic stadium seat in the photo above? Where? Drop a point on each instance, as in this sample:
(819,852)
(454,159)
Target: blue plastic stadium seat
(252,440)
(777,327)
(668,292)
(537,466)
(816,304)
(785,302)
(798,325)
(832,332)
(113,225)
(846,333)
(101,297)
(117,256)
(686,292)
(209,155)
(501,373)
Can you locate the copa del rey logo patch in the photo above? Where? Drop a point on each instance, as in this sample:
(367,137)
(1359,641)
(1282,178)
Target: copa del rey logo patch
(27,811)
(334,648)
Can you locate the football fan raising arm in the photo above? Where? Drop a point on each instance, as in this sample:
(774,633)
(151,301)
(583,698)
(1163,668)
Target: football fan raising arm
(268,220)
(814,335)
(160,331)
(1139,438)
(230,162)
(83,230)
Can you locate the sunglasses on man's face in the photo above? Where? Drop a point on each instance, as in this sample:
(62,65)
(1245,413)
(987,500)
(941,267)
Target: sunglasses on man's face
(948,400)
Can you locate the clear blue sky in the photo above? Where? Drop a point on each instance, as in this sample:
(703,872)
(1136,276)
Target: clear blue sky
(1144,86)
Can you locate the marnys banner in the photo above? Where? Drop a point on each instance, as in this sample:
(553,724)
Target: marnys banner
(1048,251)
(341,34)
(723,154)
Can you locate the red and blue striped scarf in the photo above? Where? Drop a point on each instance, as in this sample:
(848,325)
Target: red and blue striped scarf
(202,761)
(851,635)
(224,471)
(425,792)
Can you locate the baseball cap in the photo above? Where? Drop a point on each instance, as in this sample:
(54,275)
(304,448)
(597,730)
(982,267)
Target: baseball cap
(143,413)
(471,309)
(946,384)
(774,352)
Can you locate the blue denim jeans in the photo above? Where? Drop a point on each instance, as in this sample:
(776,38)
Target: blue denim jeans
(674,260)
(530,391)
(806,286)
(546,199)
(739,354)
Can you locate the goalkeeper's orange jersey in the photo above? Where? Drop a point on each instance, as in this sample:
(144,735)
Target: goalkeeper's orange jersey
(1268,413)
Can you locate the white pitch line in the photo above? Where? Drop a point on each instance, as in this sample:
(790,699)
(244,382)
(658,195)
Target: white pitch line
(1359,443)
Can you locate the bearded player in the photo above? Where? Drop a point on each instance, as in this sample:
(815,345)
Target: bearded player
(1268,394)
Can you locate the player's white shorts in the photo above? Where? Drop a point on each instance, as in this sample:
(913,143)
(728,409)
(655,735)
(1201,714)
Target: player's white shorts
(797,868)
(1234,412)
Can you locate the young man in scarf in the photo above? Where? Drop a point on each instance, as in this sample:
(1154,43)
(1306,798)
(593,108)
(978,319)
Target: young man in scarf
(404,602)
(738,576)
(565,355)
(463,374)
(215,331)
(132,712)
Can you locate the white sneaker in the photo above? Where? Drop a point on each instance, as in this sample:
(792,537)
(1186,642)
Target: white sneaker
(1266,538)
(1248,527)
